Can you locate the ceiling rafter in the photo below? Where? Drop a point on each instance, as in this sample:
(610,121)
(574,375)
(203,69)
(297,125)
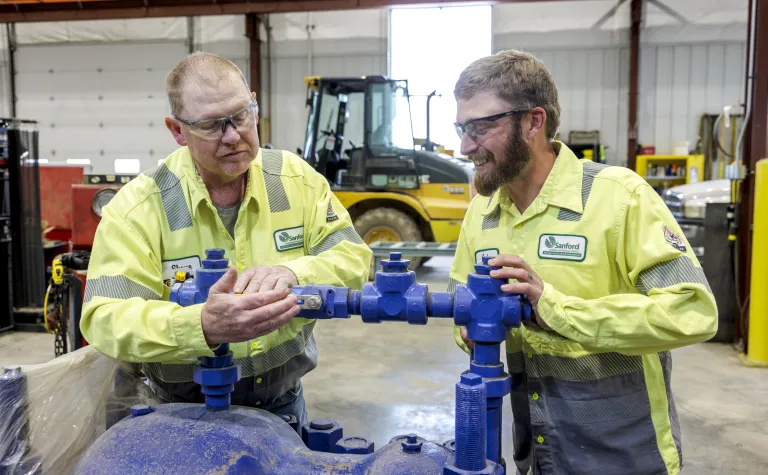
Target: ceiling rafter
(21,11)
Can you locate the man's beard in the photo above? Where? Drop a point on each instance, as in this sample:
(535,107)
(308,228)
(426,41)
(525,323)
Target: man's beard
(503,170)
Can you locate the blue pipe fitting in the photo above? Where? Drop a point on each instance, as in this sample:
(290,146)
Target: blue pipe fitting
(195,290)
(354,445)
(321,435)
(480,305)
(217,378)
(323,302)
(470,422)
(394,295)
(486,310)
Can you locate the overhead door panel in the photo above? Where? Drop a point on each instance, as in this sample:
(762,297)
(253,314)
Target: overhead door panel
(98,101)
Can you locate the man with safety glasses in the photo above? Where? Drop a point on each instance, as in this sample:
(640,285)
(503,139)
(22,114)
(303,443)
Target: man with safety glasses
(274,216)
(613,283)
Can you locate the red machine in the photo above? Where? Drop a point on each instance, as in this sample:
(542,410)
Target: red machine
(87,202)
(73,213)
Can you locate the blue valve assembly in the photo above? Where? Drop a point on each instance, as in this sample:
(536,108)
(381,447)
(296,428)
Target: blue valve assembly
(267,444)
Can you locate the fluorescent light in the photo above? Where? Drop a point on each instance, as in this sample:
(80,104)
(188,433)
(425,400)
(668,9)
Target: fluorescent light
(78,161)
(127,165)
(24,155)
(43,161)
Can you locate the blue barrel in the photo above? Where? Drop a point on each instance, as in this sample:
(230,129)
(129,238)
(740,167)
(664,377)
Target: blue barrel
(13,418)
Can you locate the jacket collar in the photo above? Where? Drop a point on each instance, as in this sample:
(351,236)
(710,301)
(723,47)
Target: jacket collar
(562,187)
(198,191)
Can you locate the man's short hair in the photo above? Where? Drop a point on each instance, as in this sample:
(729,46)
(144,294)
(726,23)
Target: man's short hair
(517,78)
(204,68)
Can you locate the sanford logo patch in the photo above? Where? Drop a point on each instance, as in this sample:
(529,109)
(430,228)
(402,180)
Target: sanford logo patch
(290,238)
(674,240)
(330,216)
(564,247)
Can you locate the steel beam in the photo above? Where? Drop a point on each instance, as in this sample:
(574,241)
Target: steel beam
(26,11)
(10,31)
(252,31)
(755,148)
(636,9)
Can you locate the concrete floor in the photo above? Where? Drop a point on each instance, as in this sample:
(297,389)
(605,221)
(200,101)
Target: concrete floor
(384,380)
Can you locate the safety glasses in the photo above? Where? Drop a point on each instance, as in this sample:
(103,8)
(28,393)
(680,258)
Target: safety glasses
(211,129)
(478,127)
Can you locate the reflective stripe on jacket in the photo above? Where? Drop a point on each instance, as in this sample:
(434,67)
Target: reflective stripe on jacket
(622,288)
(164,220)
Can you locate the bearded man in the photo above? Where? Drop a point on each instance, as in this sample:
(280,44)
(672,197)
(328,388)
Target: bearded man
(613,282)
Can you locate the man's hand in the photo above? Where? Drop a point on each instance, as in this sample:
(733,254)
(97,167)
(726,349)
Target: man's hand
(264,278)
(528,281)
(465,338)
(231,318)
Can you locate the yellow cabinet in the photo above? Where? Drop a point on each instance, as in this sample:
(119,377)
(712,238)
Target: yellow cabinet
(665,171)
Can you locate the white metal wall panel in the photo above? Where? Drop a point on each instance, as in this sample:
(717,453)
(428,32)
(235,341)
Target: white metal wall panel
(591,94)
(288,70)
(98,101)
(679,83)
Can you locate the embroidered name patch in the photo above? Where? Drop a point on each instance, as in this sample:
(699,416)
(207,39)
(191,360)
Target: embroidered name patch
(674,240)
(186,264)
(485,253)
(289,238)
(564,247)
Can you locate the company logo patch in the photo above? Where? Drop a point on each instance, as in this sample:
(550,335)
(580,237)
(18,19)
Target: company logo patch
(485,253)
(564,247)
(674,240)
(330,216)
(291,238)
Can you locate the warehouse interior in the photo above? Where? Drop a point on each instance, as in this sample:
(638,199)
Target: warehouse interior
(673,90)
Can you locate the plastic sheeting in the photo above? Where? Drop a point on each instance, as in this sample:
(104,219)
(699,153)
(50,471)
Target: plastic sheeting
(50,413)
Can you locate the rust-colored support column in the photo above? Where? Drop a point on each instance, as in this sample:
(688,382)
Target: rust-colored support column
(634,74)
(252,27)
(755,148)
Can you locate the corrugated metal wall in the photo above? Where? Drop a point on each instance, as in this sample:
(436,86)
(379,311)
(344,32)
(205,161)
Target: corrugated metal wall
(679,83)
(593,85)
(100,102)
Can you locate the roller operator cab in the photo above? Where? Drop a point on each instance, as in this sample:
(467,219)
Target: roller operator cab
(359,137)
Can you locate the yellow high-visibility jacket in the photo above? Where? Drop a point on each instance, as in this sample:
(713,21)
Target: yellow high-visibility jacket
(622,288)
(164,220)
